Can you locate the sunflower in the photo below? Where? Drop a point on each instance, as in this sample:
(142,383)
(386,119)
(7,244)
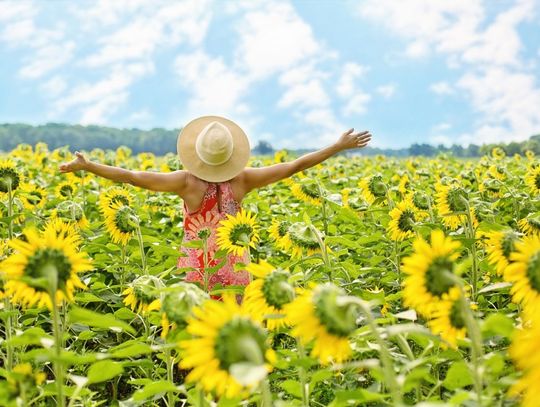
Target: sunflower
(265,296)
(524,352)
(303,239)
(9,176)
(120,222)
(279,232)
(491,187)
(404,217)
(225,338)
(322,313)
(497,172)
(451,206)
(530,225)
(307,191)
(373,188)
(33,196)
(32,262)
(143,296)
(447,319)
(420,200)
(177,304)
(498,153)
(427,272)
(238,232)
(281,156)
(524,273)
(529,154)
(70,212)
(115,195)
(345,193)
(532,179)
(65,190)
(404,184)
(499,246)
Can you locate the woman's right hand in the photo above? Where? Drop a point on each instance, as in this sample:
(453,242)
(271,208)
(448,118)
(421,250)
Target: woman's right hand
(77,164)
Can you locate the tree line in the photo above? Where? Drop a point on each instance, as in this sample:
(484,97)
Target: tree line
(161,141)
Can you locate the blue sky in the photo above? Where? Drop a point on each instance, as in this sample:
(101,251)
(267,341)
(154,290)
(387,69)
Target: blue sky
(294,73)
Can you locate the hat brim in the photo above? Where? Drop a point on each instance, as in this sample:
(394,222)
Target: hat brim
(212,173)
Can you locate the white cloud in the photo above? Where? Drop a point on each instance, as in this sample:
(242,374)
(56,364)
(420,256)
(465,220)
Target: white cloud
(54,86)
(47,58)
(308,94)
(346,84)
(494,77)
(386,91)
(357,104)
(441,88)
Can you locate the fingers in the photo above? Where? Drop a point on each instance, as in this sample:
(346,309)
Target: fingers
(78,154)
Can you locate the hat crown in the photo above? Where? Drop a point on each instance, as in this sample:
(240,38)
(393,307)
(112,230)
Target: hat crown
(214,144)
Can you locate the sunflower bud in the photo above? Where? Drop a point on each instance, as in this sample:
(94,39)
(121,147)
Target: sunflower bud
(276,289)
(178,303)
(334,310)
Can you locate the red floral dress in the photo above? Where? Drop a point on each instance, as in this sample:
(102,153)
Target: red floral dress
(218,201)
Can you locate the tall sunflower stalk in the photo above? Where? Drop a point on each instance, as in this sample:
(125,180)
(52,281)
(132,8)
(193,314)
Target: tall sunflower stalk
(471,235)
(324,251)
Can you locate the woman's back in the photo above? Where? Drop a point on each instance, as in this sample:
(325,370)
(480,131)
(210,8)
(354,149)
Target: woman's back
(218,201)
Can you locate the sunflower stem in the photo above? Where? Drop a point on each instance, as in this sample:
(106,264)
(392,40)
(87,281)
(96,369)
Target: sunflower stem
(205,264)
(388,369)
(302,375)
(324,252)
(471,235)
(141,247)
(397,250)
(476,348)
(170,378)
(266,394)
(52,273)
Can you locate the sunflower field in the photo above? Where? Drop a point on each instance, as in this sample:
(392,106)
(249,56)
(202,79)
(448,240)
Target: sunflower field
(374,282)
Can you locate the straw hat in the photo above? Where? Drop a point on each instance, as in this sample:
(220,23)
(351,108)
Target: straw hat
(213,148)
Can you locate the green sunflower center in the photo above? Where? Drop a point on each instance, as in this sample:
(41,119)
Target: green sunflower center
(303,236)
(311,190)
(533,271)
(8,176)
(406,220)
(119,199)
(239,340)
(44,258)
(337,316)
(283,228)
(122,220)
(178,304)
(537,180)
(508,243)
(34,197)
(421,200)
(438,282)
(456,315)
(66,190)
(276,290)
(241,234)
(376,186)
(455,201)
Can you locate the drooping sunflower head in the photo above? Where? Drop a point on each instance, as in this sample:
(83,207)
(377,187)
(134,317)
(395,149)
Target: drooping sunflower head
(403,220)
(430,272)
(308,191)
(498,153)
(497,172)
(278,231)
(225,341)
(178,302)
(421,200)
(524,274)
(373,188)
(531,224)
(452,204)
(42,261)
(121,222)
(238,232)
(10,177)
(532,179)
(529,154)
(115,195)
(71,212)
(266,296)
(491,187)
(448,319)
(499,246)
(143,296)
(326,315)
(303,240)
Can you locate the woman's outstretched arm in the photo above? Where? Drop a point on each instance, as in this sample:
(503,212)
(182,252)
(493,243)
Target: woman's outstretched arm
(259,177)
(155,181)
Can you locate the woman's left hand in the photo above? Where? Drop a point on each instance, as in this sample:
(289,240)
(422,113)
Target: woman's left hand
(349,139)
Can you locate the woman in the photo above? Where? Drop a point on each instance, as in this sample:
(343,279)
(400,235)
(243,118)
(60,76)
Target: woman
(214,151)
